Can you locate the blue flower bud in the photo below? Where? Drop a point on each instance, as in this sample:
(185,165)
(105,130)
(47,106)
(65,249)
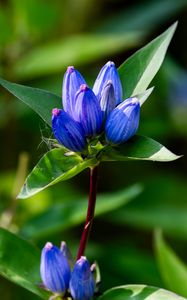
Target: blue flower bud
(123,121)
(87,111)
(66,252)
(108,72)
(82,282)
(67,131)
(107,102)
(71,83)
(54,269)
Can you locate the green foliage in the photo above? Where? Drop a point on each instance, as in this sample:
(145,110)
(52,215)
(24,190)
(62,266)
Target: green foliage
(139,292)
(63,216)
(32,48)
(138,70)
(42,102)
(59,165)
(55,166)
(138,148)
(73,50)
(158,210)
(172,269)
(142,16)
(19,262)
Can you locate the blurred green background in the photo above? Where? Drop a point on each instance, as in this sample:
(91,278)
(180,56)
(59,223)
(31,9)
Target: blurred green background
(38,40)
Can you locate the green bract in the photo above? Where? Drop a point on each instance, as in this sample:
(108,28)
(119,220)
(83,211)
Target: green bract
(59,164)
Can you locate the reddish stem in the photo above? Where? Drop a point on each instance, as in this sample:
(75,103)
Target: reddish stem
(90,211)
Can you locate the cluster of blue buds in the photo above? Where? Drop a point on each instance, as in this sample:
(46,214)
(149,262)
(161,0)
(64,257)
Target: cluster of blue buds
(88,112)
(57,276)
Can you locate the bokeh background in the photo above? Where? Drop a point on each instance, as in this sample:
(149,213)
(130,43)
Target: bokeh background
(38,40)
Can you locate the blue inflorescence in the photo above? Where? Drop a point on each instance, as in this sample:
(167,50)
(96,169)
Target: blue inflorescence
(88,112)
(57,276)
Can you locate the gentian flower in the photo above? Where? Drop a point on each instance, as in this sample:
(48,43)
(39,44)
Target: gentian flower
(88,112)
(54,269)
(71,84)
(56,273)
(107,102)
(123,121)
(82,282)
(108,72)
(67,131)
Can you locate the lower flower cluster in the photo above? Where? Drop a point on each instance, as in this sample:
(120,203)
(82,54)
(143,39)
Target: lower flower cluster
(89,112)
(60,276)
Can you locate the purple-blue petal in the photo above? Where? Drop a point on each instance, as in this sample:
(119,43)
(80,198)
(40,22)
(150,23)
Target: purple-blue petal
(107,102)
(71,83)
(108,72)
(54,269)
(66,252)
(67,131)
(82,282)
(88,111)
(123,121)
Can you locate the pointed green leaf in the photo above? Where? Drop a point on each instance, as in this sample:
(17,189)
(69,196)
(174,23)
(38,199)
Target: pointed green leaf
(68,214)
(137,72)
(20,263)
(172,269)
(41,101)
(139,292)
(144,96)
(53,167)
(138,148)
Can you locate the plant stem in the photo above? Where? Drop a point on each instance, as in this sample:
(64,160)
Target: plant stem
(90,211)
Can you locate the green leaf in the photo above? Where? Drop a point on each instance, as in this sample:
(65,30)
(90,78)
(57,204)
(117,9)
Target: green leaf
(172,269)
(138,71)
(138,148)
(143,96)
(142,16)
(147,215)
(68,214)
(139,292)
(19,262)
(55,166)
(74,50)
(41,101)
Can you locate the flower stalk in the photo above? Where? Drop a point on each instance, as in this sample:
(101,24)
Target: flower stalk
(90,211)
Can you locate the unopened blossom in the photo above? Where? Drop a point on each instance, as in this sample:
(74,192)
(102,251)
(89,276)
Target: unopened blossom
(123,121)
(54,269)
(82,282)
(87,113)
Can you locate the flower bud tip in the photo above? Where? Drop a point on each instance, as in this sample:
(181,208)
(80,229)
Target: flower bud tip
(55,112)
(70,69)
(110,63)
(134,100)
(83,87)
(48,246)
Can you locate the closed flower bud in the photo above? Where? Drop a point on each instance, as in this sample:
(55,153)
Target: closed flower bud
(67,131)
(54,269)
(65,250)
(71,83)
(87,111)
(82,283)
(107,102)
(123,121)
(108,72)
